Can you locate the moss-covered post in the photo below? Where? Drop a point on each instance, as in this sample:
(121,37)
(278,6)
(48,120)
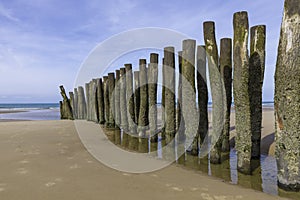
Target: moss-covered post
(143,115)
(287,99)
(81,103)
(75,111)
(100,97)
(202,93)
(217,92)
(152,90)
(226,74)
(189,93)
(136,96)
(111,88)
(170,107)
(67,112)
(241,91)
(106,99)
(256,78)
(117,100)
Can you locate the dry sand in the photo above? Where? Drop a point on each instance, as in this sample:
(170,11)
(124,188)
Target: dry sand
(46,160)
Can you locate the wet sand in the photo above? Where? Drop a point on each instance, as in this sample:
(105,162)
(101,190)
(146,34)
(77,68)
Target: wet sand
(46,160)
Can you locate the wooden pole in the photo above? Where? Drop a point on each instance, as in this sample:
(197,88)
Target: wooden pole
(163,99)
(106,99)
(202,93)
(81,103)
(100,100)
(152,93)
(130,99)
(75,111)
(169,80)
(93,99)
(123,107)
(143,115)
(226,74)
(287,99)
(117,100)
(256,78)
(136,96)
(71,94)
(87,93)
(189,93)
(241,92)
(111,88)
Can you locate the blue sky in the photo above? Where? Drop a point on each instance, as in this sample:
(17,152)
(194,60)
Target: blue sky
(44,42)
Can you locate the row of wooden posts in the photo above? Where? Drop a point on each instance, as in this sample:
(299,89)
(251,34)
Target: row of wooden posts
(128,100)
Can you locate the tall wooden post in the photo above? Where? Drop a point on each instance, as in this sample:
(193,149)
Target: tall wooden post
(189,93)
(71,94)
(123,107)
(226,74)
(241,92)
(111,87)
(75,111)
(136,96)
(106,99)
(81,103)
(256,78)
(117,100)
(143,115)
(130,99)
(93,101)
(163,99)
(287,99)
(152,90)
(169,80)
(87,93)
(217,91)
(100,99)
(202,93)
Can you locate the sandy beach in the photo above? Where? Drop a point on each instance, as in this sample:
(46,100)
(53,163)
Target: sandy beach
(46,160)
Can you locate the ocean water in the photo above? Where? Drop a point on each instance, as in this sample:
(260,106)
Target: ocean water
(31,111)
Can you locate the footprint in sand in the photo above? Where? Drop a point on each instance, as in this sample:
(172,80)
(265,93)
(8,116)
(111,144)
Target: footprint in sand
(194,189)
(177,189)
(50,184)
(24,162)
(22,171)
(206,196)
(75,166)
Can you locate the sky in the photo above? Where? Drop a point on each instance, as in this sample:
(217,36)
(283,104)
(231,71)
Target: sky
(43,43)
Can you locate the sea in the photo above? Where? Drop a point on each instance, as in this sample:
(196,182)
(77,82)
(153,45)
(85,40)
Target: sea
(29,111)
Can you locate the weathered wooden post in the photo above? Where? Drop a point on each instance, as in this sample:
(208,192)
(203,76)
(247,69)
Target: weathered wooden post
(130,99)
(100,100)
(287,99)
(170,107)
(123,107)
(93,101)
(163,99)
(143,115)
(133,139)
(106,99)
(241,92)
(117,100)
(202,93)
(136,96)
(75,111)
(117,107)
(81,103)
(189,93)
(256,78)
(87,93)
(61,109)
(71,94)
(152,90)
(226,74)
(217,91)
(66,106)
(111,87)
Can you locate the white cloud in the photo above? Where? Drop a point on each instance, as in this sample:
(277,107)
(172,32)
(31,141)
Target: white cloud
(7,13)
